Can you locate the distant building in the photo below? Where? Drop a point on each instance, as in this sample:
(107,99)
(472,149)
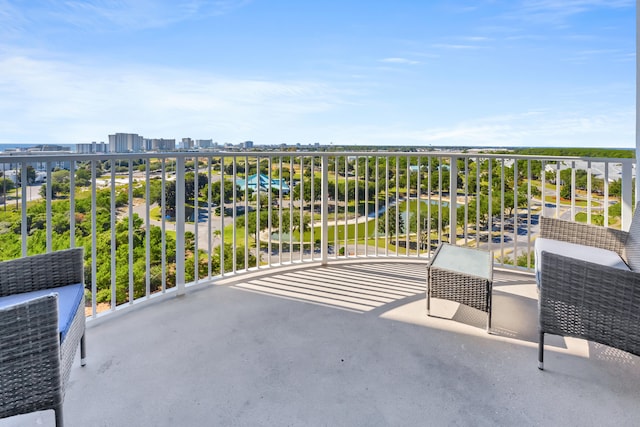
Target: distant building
(126,143)
(204,143)
(247,145)
(14,176)
(262,180)
(48,147)
(11,175)
(41,176)
(36,152)
(187,144)
(161,144)
(92,148)
(36,163)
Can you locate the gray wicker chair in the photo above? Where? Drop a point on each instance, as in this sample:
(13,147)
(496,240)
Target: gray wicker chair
(35,356)
(583,291)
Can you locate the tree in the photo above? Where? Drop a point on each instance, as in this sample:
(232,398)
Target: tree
(428,224)
(303,226)
(304,186)
(387,224)
(483,214)
(190,193)
(228,192)
(190,186)
(249,220)
(615,188)
(59,184)
(6,185)
(31,176)
(83,177)
(509,195)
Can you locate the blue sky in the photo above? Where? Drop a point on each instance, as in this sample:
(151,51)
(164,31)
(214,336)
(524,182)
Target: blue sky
(396,72)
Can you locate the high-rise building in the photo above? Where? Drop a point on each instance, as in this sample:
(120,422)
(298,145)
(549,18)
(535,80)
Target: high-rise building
(204,143)
(92,148)
(126,142)
(161,144)
(187,144)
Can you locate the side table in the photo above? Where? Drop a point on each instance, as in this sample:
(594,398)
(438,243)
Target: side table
(463,275)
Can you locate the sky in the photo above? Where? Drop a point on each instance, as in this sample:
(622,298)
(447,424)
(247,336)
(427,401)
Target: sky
(335,72)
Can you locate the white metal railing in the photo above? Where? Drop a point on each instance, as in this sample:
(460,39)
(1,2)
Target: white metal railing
(155,223)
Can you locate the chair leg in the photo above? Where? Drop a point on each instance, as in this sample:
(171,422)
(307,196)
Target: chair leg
(541,351)
(428,298)
(83,351)
(58,412)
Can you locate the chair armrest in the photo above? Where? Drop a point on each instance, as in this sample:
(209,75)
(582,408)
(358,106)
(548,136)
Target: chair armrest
(45,271)
(583,234)
(590,301)
(29,356)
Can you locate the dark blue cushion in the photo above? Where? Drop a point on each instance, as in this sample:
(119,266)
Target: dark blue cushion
(69,298)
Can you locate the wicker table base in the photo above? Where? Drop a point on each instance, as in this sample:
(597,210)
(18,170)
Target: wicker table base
(462,275)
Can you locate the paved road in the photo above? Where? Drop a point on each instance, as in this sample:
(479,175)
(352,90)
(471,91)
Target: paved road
(203,227)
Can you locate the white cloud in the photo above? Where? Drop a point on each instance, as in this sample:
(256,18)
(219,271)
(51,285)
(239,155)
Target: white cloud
(55,102)
(114,15)
(11,19)
(533,128)
(67,103)
(399,61)
(454,46)
(558,11)
(475,38)
(569,7)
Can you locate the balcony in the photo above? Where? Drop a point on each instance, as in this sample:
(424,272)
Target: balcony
(269,349)
(326,326)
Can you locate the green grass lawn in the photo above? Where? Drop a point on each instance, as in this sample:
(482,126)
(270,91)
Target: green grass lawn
(579,202)
(364,230)
(155,213)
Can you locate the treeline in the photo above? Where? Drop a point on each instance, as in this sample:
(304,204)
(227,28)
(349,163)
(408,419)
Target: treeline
(616,153)
(149,279)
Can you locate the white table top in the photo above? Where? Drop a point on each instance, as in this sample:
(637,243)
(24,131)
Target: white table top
(464,260)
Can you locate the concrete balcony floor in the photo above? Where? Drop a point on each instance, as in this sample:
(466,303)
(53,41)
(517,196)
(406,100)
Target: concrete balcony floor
(348,344)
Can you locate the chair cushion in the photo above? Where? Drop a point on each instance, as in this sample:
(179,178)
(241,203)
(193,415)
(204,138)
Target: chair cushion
(631,250)
(69,298)
(581,252)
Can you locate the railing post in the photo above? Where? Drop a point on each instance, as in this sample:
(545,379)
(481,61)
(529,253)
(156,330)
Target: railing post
(325,210)
(24,230)
(72,204)
(49,196)
(180,220)
(94,249)
(637,103)
(131,230)
(453,193)
(627,203)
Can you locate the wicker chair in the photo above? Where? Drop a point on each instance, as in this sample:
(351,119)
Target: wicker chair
(589,286)
(37,345)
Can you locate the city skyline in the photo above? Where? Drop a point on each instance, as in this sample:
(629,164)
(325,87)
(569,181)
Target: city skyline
(483,73)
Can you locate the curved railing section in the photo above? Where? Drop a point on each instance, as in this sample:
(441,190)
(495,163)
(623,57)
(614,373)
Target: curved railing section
(155,223)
